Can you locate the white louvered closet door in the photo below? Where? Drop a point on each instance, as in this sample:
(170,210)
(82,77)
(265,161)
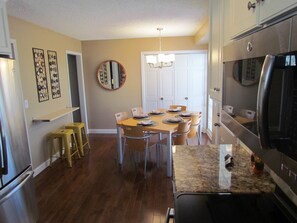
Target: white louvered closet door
(158,88)
(184,83)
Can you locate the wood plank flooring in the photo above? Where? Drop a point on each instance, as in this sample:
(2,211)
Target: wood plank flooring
(96,190)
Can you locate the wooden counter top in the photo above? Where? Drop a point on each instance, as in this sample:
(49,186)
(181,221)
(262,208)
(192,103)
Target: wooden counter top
(55,115)
(202,169)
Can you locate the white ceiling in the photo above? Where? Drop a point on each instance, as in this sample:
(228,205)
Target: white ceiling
(113,19)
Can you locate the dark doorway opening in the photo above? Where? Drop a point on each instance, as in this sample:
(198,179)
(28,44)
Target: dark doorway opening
(72,67)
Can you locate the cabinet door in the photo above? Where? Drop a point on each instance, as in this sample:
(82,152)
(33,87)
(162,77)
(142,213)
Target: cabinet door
(216,109)
(215,50)
(271,8)
(5,47)
(243,18)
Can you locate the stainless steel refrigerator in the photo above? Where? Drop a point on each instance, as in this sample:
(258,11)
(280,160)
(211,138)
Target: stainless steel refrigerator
(17,192)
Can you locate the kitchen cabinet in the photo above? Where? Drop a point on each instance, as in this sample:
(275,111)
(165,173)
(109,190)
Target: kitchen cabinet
(215,49)
(270,9)
(215,66)
(248,15)
(5,46)
(243,16)
(216,109)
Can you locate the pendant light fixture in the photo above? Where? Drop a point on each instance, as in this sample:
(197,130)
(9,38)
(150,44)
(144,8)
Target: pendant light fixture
(161,60)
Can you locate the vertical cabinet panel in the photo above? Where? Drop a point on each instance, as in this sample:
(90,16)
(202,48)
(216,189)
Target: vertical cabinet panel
(5,47)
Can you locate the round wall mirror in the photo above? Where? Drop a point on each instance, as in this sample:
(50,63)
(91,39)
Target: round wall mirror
(111,75)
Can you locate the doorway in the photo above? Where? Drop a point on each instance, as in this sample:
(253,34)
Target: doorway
(76,86)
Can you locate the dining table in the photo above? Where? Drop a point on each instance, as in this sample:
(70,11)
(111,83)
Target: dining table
(161,123)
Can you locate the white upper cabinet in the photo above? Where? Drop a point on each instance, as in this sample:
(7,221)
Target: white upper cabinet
(243,16)
(5,47)
(248,15)
(272,8)
(216,23)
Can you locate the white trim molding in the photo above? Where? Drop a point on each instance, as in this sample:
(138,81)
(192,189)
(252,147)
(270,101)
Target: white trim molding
(103,131)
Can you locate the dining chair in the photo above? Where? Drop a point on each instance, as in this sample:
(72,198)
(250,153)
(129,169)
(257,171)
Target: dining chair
(121,116)
(137,111)
(181,135)
(195,127)
(137,140)
(183,107)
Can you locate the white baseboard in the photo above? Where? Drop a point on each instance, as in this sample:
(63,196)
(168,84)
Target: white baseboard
(44,165)
(103,131)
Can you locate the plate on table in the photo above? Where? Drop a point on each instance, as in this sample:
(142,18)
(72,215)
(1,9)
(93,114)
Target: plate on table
(141,116)
(174,109)
(174,120)
(156,112)
(185,114)
(146,123)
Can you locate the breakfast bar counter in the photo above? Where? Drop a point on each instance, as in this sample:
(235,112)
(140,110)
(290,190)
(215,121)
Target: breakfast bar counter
(201,169)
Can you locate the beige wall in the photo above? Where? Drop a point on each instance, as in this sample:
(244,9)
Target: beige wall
(27,36)
(103,104)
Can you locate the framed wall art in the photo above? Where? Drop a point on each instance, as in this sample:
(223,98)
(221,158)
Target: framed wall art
(54,73)
(40,74)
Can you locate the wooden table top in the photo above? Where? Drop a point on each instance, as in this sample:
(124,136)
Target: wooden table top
(159,125)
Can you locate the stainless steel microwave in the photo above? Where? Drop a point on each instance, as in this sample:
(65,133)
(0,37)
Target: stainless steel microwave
(260,90)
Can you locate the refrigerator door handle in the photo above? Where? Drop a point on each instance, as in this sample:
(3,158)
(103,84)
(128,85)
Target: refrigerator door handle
(17,187)
(3,153)
(262,100)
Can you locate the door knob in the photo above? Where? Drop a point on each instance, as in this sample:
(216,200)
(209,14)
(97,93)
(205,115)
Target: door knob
(161,98)
(186,98)
(216,124)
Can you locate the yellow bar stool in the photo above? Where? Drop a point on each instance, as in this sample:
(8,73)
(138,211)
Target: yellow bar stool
(81,135)
(65,136)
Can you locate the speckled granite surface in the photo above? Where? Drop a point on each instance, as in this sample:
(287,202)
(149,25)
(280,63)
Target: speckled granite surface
(202,169)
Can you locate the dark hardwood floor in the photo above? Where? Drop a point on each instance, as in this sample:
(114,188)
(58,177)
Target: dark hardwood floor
(96,190)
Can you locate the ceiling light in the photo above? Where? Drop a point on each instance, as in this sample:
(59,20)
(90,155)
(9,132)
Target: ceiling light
(160,60)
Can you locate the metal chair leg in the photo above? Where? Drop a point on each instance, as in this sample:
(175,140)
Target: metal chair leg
(169,215)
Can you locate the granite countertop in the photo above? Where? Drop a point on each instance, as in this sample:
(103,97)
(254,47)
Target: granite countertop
(202,169)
